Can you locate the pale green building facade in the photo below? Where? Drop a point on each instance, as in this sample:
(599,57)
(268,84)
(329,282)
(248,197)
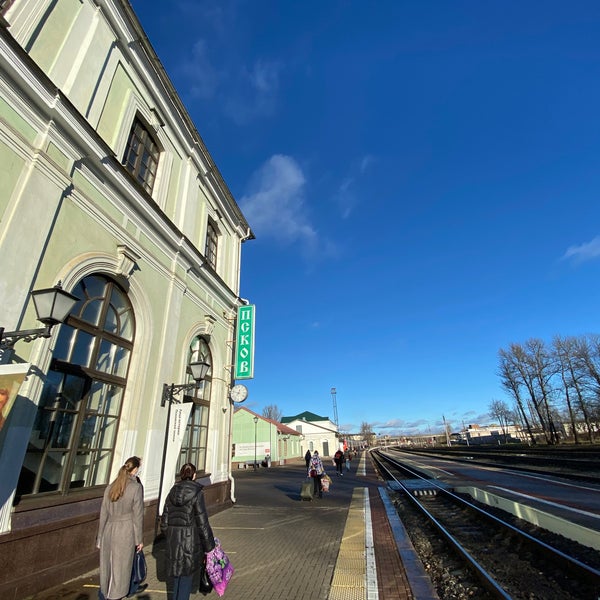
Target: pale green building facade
(262,441)
(107,187)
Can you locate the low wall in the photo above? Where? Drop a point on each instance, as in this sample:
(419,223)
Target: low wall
(51,545)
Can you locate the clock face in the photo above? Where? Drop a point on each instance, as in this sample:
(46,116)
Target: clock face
(238,393)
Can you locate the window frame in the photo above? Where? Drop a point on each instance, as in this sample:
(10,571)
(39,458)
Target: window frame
(199,419)
(147,141)
(211,244)
(80,400)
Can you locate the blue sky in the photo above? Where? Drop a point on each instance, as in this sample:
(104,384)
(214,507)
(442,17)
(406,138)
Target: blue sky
(423,179)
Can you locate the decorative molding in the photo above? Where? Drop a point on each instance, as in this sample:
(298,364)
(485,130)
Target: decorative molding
(209,324)
(126,261)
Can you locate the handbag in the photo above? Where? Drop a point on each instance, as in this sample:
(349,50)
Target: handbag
(205,584)
(139,570)
(219,568)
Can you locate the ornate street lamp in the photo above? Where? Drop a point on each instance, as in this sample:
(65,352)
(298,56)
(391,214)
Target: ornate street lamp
(52,306)
(197,370)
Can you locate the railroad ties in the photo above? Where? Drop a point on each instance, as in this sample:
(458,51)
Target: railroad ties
(419,487)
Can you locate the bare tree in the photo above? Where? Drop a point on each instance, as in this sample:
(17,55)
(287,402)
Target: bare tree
(500,410)
(271,411)
(542,365)
(511,382)
(569,351)
(586,361)
(366,432)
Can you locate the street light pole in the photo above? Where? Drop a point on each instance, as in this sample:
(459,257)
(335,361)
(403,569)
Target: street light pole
(255,424)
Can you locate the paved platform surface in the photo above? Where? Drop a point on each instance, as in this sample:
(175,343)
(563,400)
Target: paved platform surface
(343,546)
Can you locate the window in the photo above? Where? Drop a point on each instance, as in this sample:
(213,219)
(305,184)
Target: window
(5,5)
(141,155)
(193,447)
(212,242)
(73,438)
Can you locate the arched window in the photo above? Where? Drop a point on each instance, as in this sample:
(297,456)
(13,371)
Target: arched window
(73,438)
(193,447)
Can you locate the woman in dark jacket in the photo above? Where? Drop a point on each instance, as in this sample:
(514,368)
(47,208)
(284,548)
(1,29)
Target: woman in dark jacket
(188,532)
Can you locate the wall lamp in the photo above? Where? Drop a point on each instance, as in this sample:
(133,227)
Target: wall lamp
(197,370)
(52,306)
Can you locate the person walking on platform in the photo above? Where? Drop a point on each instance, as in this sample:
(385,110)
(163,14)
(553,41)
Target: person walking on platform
(338,459)
(120,530)
(347,458)
(189,535)
(307,458)
(316,471)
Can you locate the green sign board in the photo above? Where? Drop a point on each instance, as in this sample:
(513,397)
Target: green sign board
(244,346)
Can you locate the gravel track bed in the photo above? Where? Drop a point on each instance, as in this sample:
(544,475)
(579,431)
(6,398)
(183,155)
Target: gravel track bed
(455,582)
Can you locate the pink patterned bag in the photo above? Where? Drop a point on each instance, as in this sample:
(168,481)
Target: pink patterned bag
(219,568)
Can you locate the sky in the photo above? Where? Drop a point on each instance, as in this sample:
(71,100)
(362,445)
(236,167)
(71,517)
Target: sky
(423,180)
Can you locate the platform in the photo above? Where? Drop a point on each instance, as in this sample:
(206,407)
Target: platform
(348,545)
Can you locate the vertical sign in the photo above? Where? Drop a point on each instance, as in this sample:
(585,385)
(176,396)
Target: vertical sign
(244,347)
(179,417)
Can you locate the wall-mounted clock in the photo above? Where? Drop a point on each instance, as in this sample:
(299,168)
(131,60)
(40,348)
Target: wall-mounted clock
(238,393)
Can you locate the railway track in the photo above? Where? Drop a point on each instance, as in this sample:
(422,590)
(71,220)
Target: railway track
(473,553)
(580,464)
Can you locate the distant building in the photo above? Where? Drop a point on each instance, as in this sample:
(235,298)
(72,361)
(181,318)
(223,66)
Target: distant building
(264,439)
(490,434)
(320,433)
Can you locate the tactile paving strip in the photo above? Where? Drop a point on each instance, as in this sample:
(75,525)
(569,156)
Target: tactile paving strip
(350,580)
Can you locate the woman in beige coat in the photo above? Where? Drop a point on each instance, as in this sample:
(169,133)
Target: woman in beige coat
(120,531)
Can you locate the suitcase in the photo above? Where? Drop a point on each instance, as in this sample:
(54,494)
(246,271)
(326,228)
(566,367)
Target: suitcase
(306,491)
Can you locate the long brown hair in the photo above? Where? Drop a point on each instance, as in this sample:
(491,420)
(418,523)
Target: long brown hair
(117,487)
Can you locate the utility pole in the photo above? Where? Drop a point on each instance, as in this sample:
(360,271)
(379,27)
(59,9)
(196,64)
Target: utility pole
(446,431)
(335,414)
(466,432)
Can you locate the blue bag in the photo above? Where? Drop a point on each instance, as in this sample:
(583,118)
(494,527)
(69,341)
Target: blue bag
(138,572)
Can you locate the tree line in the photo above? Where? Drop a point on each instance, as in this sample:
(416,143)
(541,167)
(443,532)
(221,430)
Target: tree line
(551,384)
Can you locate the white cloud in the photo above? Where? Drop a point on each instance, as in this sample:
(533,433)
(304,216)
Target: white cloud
(243,93)
(198,71)
(365,162)
(254,93)
(275,205)
(264,76)
(346,196)
(584,252)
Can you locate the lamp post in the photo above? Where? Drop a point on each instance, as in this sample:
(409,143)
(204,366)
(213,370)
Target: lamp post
(285,448)
(198,371)
(52,306)
(255,424)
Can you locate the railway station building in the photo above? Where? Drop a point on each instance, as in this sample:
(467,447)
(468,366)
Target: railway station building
(106,187)
(319,433)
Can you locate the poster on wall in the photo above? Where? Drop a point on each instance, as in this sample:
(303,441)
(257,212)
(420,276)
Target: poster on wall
(11,378)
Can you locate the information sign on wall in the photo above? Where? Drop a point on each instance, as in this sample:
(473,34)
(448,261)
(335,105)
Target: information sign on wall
(244,347)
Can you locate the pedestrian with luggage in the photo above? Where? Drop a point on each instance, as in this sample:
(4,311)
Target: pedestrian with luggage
(189,536)
(316,471)
(120,530)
